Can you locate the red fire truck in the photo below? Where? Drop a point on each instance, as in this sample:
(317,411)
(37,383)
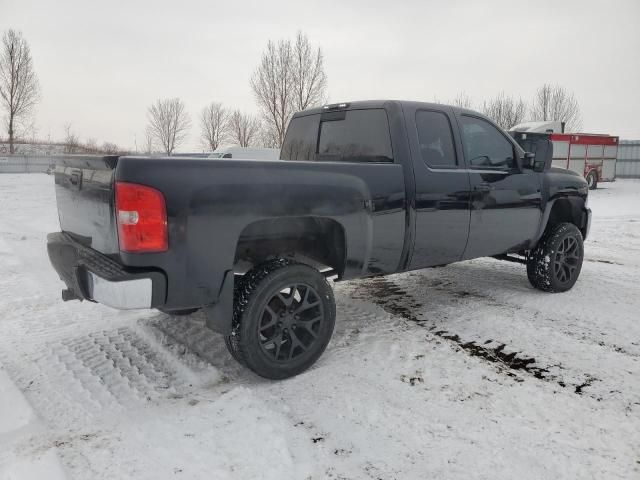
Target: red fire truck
(589,154)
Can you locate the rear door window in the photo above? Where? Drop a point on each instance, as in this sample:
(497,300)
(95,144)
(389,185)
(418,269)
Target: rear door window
(484,145)
(435,139)
(355,136)
(301,139)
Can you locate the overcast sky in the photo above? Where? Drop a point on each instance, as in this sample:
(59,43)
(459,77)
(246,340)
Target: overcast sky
(101,64)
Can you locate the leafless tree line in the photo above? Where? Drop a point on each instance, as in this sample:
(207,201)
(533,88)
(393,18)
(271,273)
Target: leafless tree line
(550,103)
(169,124)
(505,110)
(73,145)
(219,125)
(289,77)
(553,102)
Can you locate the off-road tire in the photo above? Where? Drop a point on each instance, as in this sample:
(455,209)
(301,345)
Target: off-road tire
(592,180)
(549,267)
(254,295)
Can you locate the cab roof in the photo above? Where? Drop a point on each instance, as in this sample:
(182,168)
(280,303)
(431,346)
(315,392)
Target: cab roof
(365,104)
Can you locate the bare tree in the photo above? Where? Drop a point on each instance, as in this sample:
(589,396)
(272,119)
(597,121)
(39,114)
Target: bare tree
(309,79)
(462,100)
(110,148)
(243,129)
(555,103)
(272,85)
(290,77)
(19,87)
(91,146)
(71,141)
(266,138)
(148,141)
(169,123)
(506,111)
(214,122)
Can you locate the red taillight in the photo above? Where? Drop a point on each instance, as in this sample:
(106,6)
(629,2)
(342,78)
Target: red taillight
(142,218)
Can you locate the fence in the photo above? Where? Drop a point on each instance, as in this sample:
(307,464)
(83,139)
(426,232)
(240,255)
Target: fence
(628,164)
(26,163)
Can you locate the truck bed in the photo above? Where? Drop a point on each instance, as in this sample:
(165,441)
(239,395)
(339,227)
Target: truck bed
(212,203)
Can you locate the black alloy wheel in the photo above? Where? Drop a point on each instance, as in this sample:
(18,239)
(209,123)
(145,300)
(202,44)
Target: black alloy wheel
(284,314)
(567,259)
(554,265)
(291,322)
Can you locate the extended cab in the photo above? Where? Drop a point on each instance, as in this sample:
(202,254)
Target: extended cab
(362,189)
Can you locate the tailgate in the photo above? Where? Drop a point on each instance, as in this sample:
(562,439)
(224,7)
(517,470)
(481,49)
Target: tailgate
(84,193)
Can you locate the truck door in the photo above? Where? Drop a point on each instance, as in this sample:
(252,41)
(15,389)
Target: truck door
(505,200)
(442,188)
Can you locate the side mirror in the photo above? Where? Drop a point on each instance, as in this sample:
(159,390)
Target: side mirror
(528,160)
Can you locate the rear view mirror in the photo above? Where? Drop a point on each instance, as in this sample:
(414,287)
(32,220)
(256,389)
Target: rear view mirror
(528,160)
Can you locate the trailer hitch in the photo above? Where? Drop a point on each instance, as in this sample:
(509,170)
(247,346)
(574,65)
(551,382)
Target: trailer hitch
(68,294)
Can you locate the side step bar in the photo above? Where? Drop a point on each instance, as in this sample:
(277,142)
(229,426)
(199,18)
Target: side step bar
(511,258)
(330,273)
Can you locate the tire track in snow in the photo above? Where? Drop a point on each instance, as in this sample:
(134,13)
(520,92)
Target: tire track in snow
(94,375)
(395,300)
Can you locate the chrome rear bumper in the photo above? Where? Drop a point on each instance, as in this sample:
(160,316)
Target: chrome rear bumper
(124,295)
(90,275)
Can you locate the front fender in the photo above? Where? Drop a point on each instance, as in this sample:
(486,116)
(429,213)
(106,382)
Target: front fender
(565,208)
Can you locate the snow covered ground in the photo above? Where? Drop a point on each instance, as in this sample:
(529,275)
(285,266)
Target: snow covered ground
(450,373)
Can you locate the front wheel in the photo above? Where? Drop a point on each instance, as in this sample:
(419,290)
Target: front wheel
(555,264)
(592,180)
(283,319)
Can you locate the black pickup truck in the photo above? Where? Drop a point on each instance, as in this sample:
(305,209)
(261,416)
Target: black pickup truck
(362,189)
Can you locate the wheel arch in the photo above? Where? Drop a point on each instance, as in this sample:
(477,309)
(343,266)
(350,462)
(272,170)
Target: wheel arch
(570,209)
(317,241)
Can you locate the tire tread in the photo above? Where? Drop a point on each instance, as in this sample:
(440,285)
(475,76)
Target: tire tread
(538,267)
(248,291)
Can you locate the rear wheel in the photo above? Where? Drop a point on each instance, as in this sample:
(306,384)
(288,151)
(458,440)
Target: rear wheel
(284,314)
(555,264)
(592,180)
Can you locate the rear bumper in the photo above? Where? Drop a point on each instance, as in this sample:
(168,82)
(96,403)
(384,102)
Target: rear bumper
(98,278)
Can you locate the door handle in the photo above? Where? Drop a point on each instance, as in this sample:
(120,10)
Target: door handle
(483,187)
